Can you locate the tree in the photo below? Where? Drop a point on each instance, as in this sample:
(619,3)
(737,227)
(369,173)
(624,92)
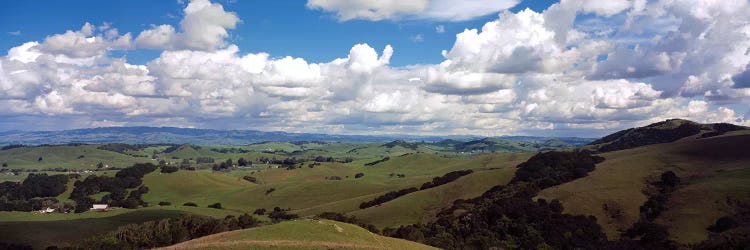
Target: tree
(359,175)
(5,164)
(229,162)
(165,203)
(669,179)
(215,205)
(169,169)
(40,159)
(242,162)
(100,165)
(131,203)
(247,221)
(260,211)
(723,224)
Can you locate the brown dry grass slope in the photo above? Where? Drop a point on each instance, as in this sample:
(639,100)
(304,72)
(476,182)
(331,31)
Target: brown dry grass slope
(714,171)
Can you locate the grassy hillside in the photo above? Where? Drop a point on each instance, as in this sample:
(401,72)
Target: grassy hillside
(714,172)
(660,132)
(422,206)
(62,229)
(300,234)
(65,156)
(307,191)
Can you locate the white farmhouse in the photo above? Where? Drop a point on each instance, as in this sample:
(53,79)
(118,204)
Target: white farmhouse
(100,207)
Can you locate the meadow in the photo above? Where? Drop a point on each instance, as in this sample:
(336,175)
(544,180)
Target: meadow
(309,178)
(306,189)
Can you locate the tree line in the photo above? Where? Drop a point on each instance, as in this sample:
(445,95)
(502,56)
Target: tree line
(507,217)
(437,181)
(167,232)
(33,193)
(127,178)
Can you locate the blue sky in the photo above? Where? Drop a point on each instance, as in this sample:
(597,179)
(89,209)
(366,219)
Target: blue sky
(485,67)
(280,28)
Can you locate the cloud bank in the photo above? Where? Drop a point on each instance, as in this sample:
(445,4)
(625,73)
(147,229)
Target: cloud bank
(578,68)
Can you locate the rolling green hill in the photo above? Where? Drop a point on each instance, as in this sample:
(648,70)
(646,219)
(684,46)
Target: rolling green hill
(65,156)
(300,234)
(710,161)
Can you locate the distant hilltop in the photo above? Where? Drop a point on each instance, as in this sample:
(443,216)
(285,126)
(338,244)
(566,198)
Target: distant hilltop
(173,135)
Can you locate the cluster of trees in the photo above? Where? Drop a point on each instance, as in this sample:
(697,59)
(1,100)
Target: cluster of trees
(730,232)
(396,175)
(649,234)
(167,232)
(409,145)
(224,166)
(722,128)
(549,169)
(176,147)
(284,162)
(378,161)
(437,181)
(201,160)
(348,219)
(323,159)
(243,163)
(122,147)
(169,169)
(230,150)
(507,217)
(279,214)
(446,178)
(28,195)
(14,246)
(652,134)
(331,159)
(387,197)
(260,211)
(127,178)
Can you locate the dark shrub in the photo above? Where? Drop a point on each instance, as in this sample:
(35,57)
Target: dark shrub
(279,214)
(215,205)
(723,224)
(387,197)
(359,175)
(169,169)
(190,204)
(250,179)
(445,179)
(260,211)
(165,203)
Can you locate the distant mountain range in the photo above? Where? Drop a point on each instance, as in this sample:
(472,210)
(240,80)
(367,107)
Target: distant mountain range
(172,135)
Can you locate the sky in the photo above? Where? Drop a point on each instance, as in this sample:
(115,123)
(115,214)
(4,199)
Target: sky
(431,67)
